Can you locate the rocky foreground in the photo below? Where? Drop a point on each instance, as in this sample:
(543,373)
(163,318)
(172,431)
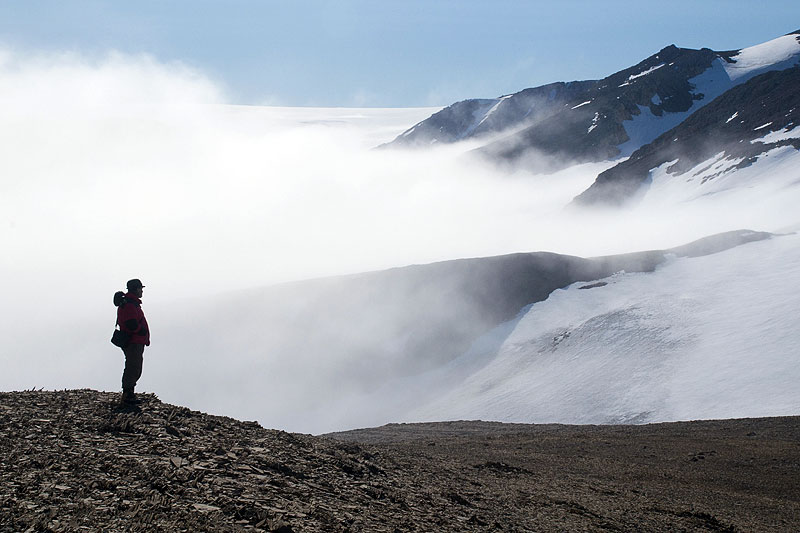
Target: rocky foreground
(73,461)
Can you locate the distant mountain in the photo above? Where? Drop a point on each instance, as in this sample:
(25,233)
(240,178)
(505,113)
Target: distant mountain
(560,124)
(729,134)
(476,118)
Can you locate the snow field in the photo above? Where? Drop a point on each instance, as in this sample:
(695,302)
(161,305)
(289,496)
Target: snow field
(707,337)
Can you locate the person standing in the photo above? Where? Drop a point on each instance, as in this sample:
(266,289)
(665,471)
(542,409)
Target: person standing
(131,320)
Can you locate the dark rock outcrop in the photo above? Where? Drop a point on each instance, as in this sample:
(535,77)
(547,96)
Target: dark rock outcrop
(769,102)
(590,128)
(476,118)
(559,124)
(544,129)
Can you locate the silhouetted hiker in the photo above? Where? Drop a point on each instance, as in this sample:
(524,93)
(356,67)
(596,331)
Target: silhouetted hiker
(131,320)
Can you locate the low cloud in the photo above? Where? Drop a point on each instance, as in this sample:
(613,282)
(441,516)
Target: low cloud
(120,167)
(125,166)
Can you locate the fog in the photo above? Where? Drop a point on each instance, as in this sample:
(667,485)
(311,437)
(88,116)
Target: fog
(119,166)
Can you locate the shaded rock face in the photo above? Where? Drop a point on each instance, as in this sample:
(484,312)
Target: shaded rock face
(591,126)
(476,118)
(71,461)
(559,124)
(547,128)
(769,102)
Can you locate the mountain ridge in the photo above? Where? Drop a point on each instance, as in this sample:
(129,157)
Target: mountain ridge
(546,128)
(734,120)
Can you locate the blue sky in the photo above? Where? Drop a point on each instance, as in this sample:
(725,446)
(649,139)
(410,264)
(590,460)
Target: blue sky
(389,53)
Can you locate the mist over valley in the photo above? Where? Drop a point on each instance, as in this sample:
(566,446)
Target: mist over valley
(305,271)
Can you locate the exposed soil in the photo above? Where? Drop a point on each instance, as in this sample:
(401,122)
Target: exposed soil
(73,461)
(726,475)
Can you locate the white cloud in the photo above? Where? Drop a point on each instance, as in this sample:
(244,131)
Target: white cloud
(67,81)
(127,153)
(124,167)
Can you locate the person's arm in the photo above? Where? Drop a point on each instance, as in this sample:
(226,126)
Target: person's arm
(128,320)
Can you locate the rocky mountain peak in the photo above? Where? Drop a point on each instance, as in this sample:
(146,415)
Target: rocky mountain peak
(553,126)
(739,122)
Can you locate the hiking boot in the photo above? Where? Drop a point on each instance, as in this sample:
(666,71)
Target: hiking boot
(129,398)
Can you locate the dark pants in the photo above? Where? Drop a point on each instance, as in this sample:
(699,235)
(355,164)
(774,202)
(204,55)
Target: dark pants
(133,365)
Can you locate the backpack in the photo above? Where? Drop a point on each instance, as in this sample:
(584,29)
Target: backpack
(119,298)
(120,338)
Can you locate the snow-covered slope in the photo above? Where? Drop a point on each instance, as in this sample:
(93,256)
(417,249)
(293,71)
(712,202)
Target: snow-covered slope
(369,349)
(705,337)
(724,73)
(777,54)
(776,174)
(751,124)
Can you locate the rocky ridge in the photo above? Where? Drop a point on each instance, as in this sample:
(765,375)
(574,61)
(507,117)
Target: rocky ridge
(73,461)
(481,117)
(737,122)
(550,127)
(570,122)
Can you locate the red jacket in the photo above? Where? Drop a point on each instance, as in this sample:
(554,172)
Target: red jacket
(130,318)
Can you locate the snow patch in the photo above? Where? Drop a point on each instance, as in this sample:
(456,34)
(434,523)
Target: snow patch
(777,136)
(755,59)
(582,104)
(761,127)
(645,127)
(732,117)
(774,172)
(481,114)
(594,122)
(645,72)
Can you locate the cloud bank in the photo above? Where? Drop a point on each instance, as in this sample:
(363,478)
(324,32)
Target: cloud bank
(123,166)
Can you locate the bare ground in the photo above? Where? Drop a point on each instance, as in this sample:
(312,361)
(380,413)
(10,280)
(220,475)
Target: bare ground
(72,461)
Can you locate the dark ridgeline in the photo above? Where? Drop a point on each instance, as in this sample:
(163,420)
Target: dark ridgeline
(550,120)
(547,128)
(728,124)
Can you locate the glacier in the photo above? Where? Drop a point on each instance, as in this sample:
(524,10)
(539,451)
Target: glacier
(700,338)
